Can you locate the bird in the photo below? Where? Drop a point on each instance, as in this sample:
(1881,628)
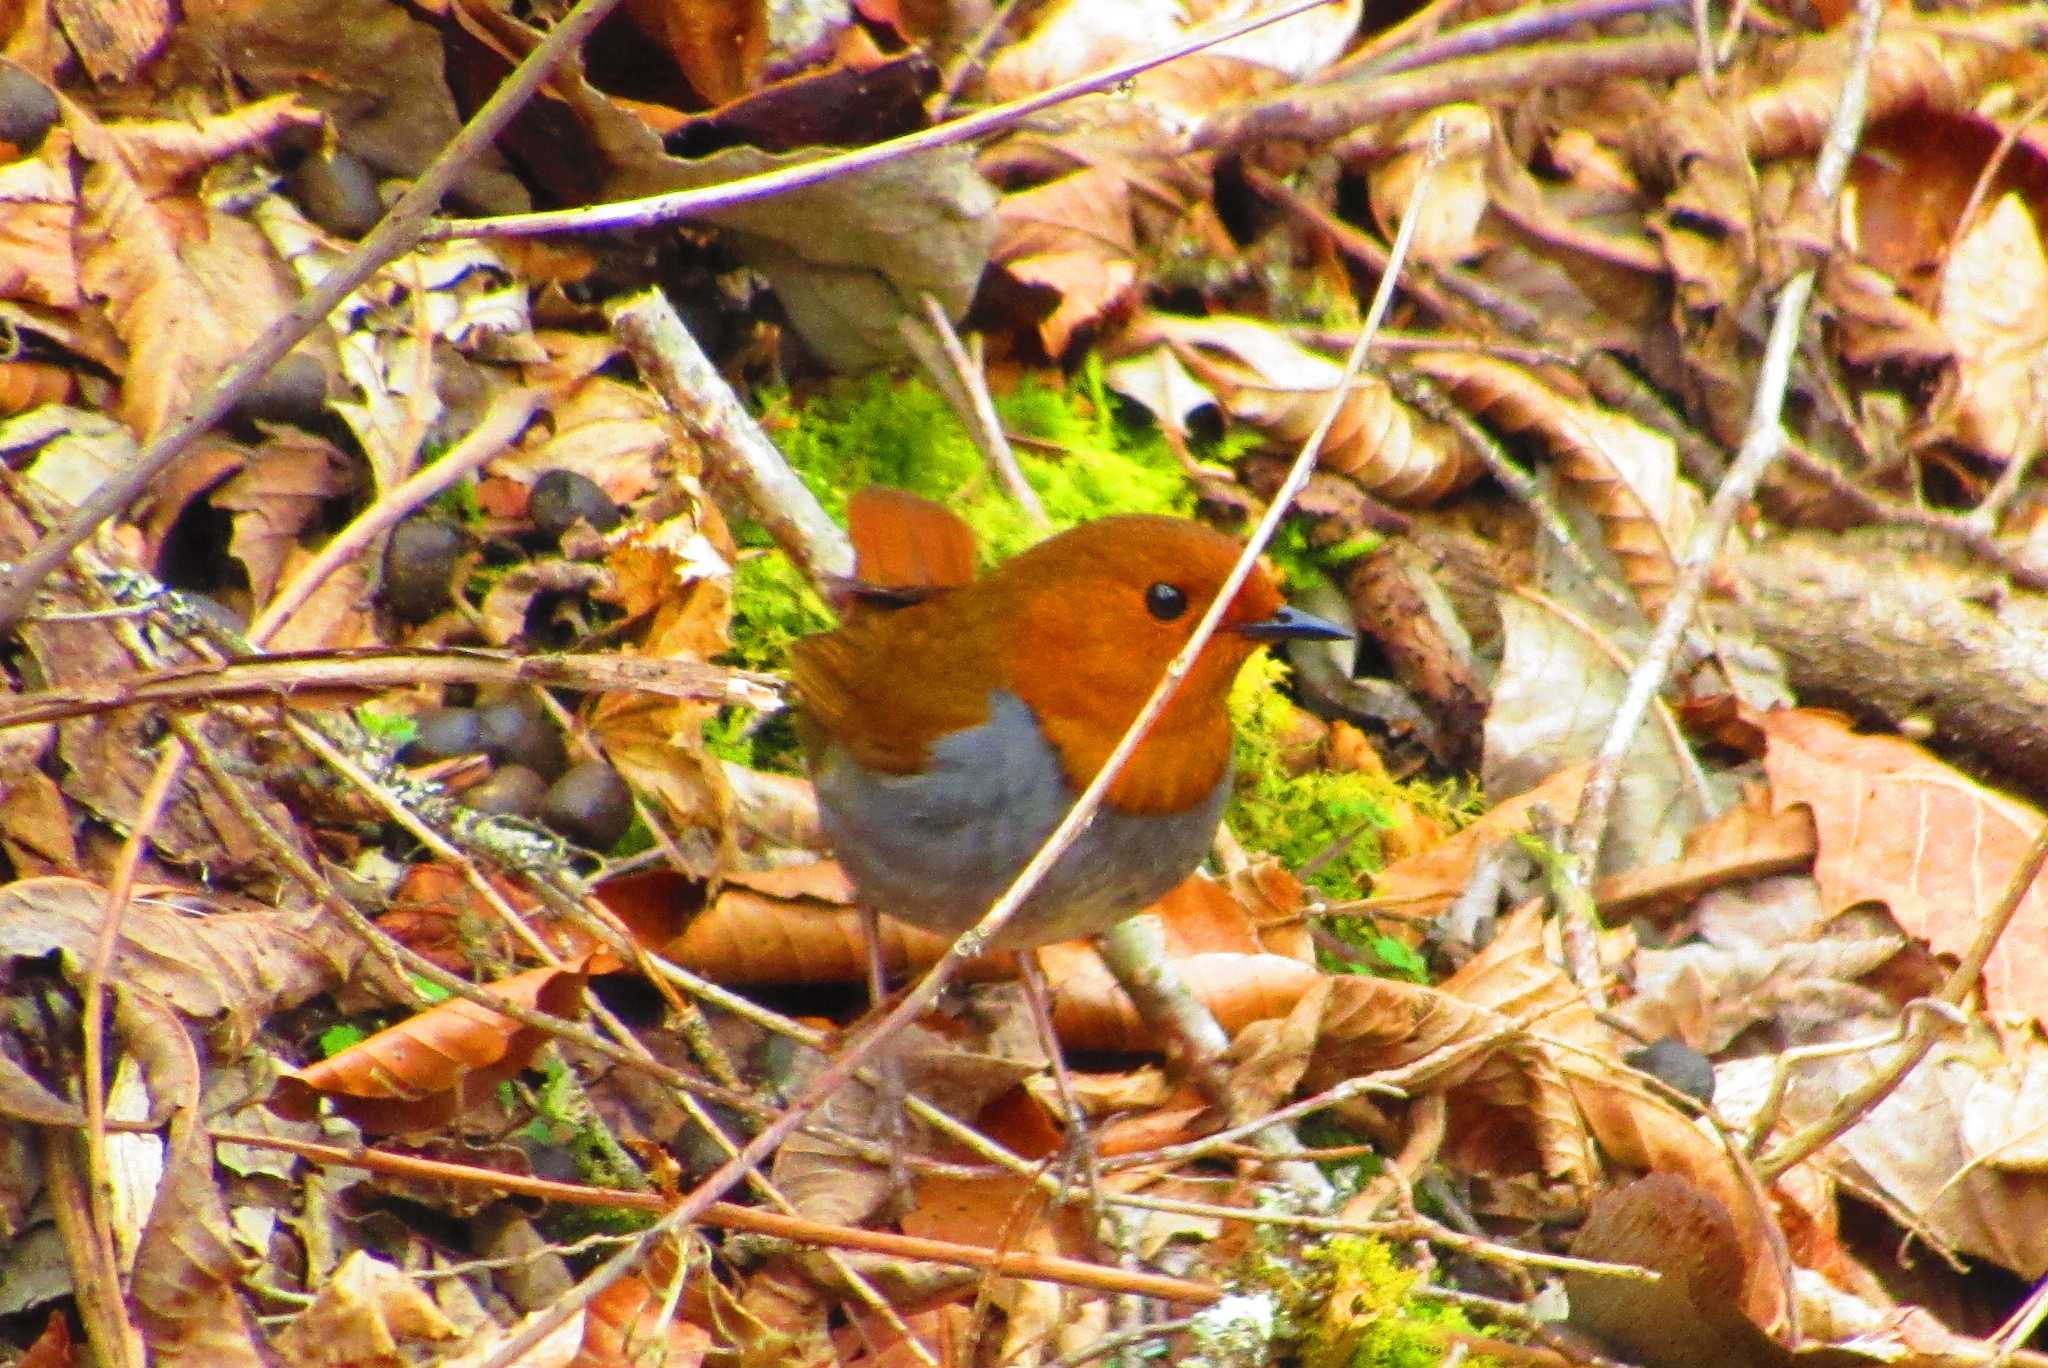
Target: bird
(951,720)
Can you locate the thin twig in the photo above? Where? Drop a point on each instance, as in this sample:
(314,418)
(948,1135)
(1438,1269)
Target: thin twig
(1385,54)
(1762,443)
(1955,990)
(965,380)
(727,1216)
(684,204)
(738,457)
(398,232)
(971,58)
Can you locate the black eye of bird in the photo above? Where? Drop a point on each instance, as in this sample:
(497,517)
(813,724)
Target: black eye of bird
(1165,602)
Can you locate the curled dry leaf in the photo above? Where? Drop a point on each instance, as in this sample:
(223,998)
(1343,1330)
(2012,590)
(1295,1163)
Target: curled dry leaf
(1263,377)
(1625,474)
(426,1070)
(760,929)
(1072,236)
(1941,63)
(1091,1012)
(185,284)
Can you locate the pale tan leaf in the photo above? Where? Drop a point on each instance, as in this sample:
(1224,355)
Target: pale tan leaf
(1553,701)
(38,207)
(1448,229)
(361,1316)
(1994,303)
(1900,828)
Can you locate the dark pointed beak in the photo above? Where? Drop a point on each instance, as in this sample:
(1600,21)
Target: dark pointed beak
(1291,624)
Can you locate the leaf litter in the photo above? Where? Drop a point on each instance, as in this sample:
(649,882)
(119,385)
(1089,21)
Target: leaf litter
(402,1047)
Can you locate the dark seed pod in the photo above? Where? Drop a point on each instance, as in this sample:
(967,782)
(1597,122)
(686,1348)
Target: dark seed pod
(516,733)
(27,108)
(561,497)
(514,791)
(1679,1065)
(590,805)
(418,565)
(443,733)
(294,392)
(338,191)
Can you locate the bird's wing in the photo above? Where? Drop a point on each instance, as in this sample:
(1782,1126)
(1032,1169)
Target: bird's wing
(885,686)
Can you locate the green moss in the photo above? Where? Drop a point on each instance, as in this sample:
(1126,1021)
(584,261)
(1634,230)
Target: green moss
(1361,1312)
(1300,818)
(1083,460)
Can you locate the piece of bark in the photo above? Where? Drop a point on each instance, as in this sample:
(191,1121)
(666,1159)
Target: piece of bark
(1895,633)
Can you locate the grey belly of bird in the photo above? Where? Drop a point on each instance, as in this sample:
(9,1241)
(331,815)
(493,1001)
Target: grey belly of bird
(990,797)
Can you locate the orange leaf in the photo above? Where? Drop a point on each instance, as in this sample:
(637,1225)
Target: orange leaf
(425,1071)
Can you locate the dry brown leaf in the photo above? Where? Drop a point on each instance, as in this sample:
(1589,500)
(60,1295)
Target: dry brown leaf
(1517,975)
(1448,230)
(1423,885)
(1575,259)
(1074,237)
(1092,1013)
(1691,1315)
(185,285)
(750,936)
(361,1315)
(1626,474)
(1553,699)
(1263,377)
(275,496)
(230,969)
(719,46)
(1941,64)
(380,73)
(1748,841)
(619,435)
(1898,827)
(41,202)
(189,1266)
(428,1069)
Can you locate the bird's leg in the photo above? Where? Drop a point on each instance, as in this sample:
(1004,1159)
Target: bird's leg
(894,1109)
(1077,1152)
